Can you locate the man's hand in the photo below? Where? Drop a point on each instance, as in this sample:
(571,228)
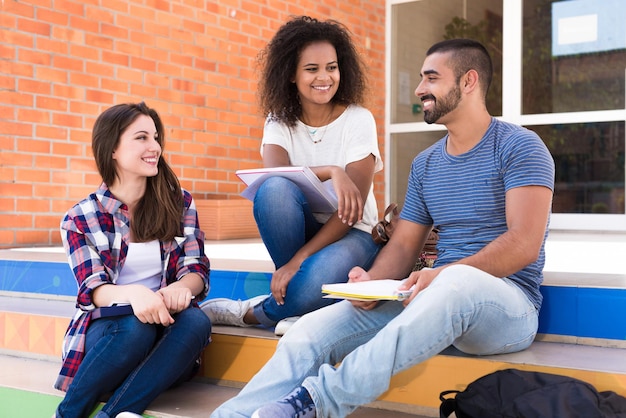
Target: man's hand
(357,274)
(421,279)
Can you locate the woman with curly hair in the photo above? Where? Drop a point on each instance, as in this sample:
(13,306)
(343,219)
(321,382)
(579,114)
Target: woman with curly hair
(312,90)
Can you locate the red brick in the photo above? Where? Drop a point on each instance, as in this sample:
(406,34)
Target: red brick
(143,91)
(51,103)
(52,16)
(68,92)
(33,176)
(127,21)
(54,46)
(70,7)
(17,189)
(67,120)
(52,75)
(114,85)
(15,128)
(16,69)
(118,5)
(33,145)
(70,64)
(98,96)
(7,236)
(33,26)
(51,132)
(30,237)
(114,31)
(18,8)
(34,57)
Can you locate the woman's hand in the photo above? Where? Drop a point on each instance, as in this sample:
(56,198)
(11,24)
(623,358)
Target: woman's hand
(281,279)
(349,199)
(176,298)
(149,306)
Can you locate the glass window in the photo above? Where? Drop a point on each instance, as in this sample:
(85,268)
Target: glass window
(589,161)
(405,149)
(574,55)
(417,25)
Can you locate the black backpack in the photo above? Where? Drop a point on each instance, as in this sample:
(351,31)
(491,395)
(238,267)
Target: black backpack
(515,393)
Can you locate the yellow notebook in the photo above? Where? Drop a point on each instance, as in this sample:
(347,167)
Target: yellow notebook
(386,289)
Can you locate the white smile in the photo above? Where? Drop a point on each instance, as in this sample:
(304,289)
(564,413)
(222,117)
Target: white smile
(428,104)
(321,88)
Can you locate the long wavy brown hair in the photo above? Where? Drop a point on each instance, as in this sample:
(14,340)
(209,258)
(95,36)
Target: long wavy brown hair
(159,212)
(278,96)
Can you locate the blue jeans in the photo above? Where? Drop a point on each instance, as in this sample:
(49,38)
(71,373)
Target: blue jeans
(475,312)
(135,362)
(286,223)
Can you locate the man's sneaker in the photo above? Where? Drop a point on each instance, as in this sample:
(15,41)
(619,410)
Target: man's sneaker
(128,415)
(298,404)
(284,325)
(229,312)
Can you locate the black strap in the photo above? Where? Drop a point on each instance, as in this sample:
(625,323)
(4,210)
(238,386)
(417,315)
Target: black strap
(115,310)
(448,405)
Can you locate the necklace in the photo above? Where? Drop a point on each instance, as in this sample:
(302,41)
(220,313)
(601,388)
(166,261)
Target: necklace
(312,132)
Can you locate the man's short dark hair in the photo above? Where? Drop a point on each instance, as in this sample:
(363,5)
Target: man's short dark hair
(467,54)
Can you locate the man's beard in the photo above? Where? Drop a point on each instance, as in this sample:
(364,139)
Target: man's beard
(442,106)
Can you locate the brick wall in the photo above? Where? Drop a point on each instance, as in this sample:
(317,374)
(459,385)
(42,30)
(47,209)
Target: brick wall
(62,62)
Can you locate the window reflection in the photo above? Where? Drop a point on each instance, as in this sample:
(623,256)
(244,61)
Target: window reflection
(579,72)
(589,160)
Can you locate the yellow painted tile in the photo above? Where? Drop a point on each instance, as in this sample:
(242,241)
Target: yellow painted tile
(236,358)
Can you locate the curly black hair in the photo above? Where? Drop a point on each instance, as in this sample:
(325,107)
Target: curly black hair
(278,96)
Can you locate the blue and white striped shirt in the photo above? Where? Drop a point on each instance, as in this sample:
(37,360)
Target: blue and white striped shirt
(464,195)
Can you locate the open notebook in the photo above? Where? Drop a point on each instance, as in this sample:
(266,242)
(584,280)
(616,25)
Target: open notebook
(386,289)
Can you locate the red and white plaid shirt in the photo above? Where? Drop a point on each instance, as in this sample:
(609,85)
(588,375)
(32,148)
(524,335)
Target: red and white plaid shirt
(95,234)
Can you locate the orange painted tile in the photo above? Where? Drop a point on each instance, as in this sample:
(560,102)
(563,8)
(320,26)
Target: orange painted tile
(16,331)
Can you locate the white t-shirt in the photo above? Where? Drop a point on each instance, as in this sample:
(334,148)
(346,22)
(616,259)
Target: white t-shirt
(349,138)
(142,265)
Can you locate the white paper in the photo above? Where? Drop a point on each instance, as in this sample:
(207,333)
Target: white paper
(320,195)
(386,289)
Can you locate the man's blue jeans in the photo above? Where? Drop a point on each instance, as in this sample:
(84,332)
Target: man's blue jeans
(464,307)
(134,361)
(286,223)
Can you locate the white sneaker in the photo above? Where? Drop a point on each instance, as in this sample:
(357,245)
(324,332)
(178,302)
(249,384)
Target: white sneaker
(128,415)
(284,325)
(224,311)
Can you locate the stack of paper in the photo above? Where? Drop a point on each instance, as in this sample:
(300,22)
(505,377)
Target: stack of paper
(386,289)
(320,195)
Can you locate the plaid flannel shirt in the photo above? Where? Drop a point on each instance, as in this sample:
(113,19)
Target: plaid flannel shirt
(95,235)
